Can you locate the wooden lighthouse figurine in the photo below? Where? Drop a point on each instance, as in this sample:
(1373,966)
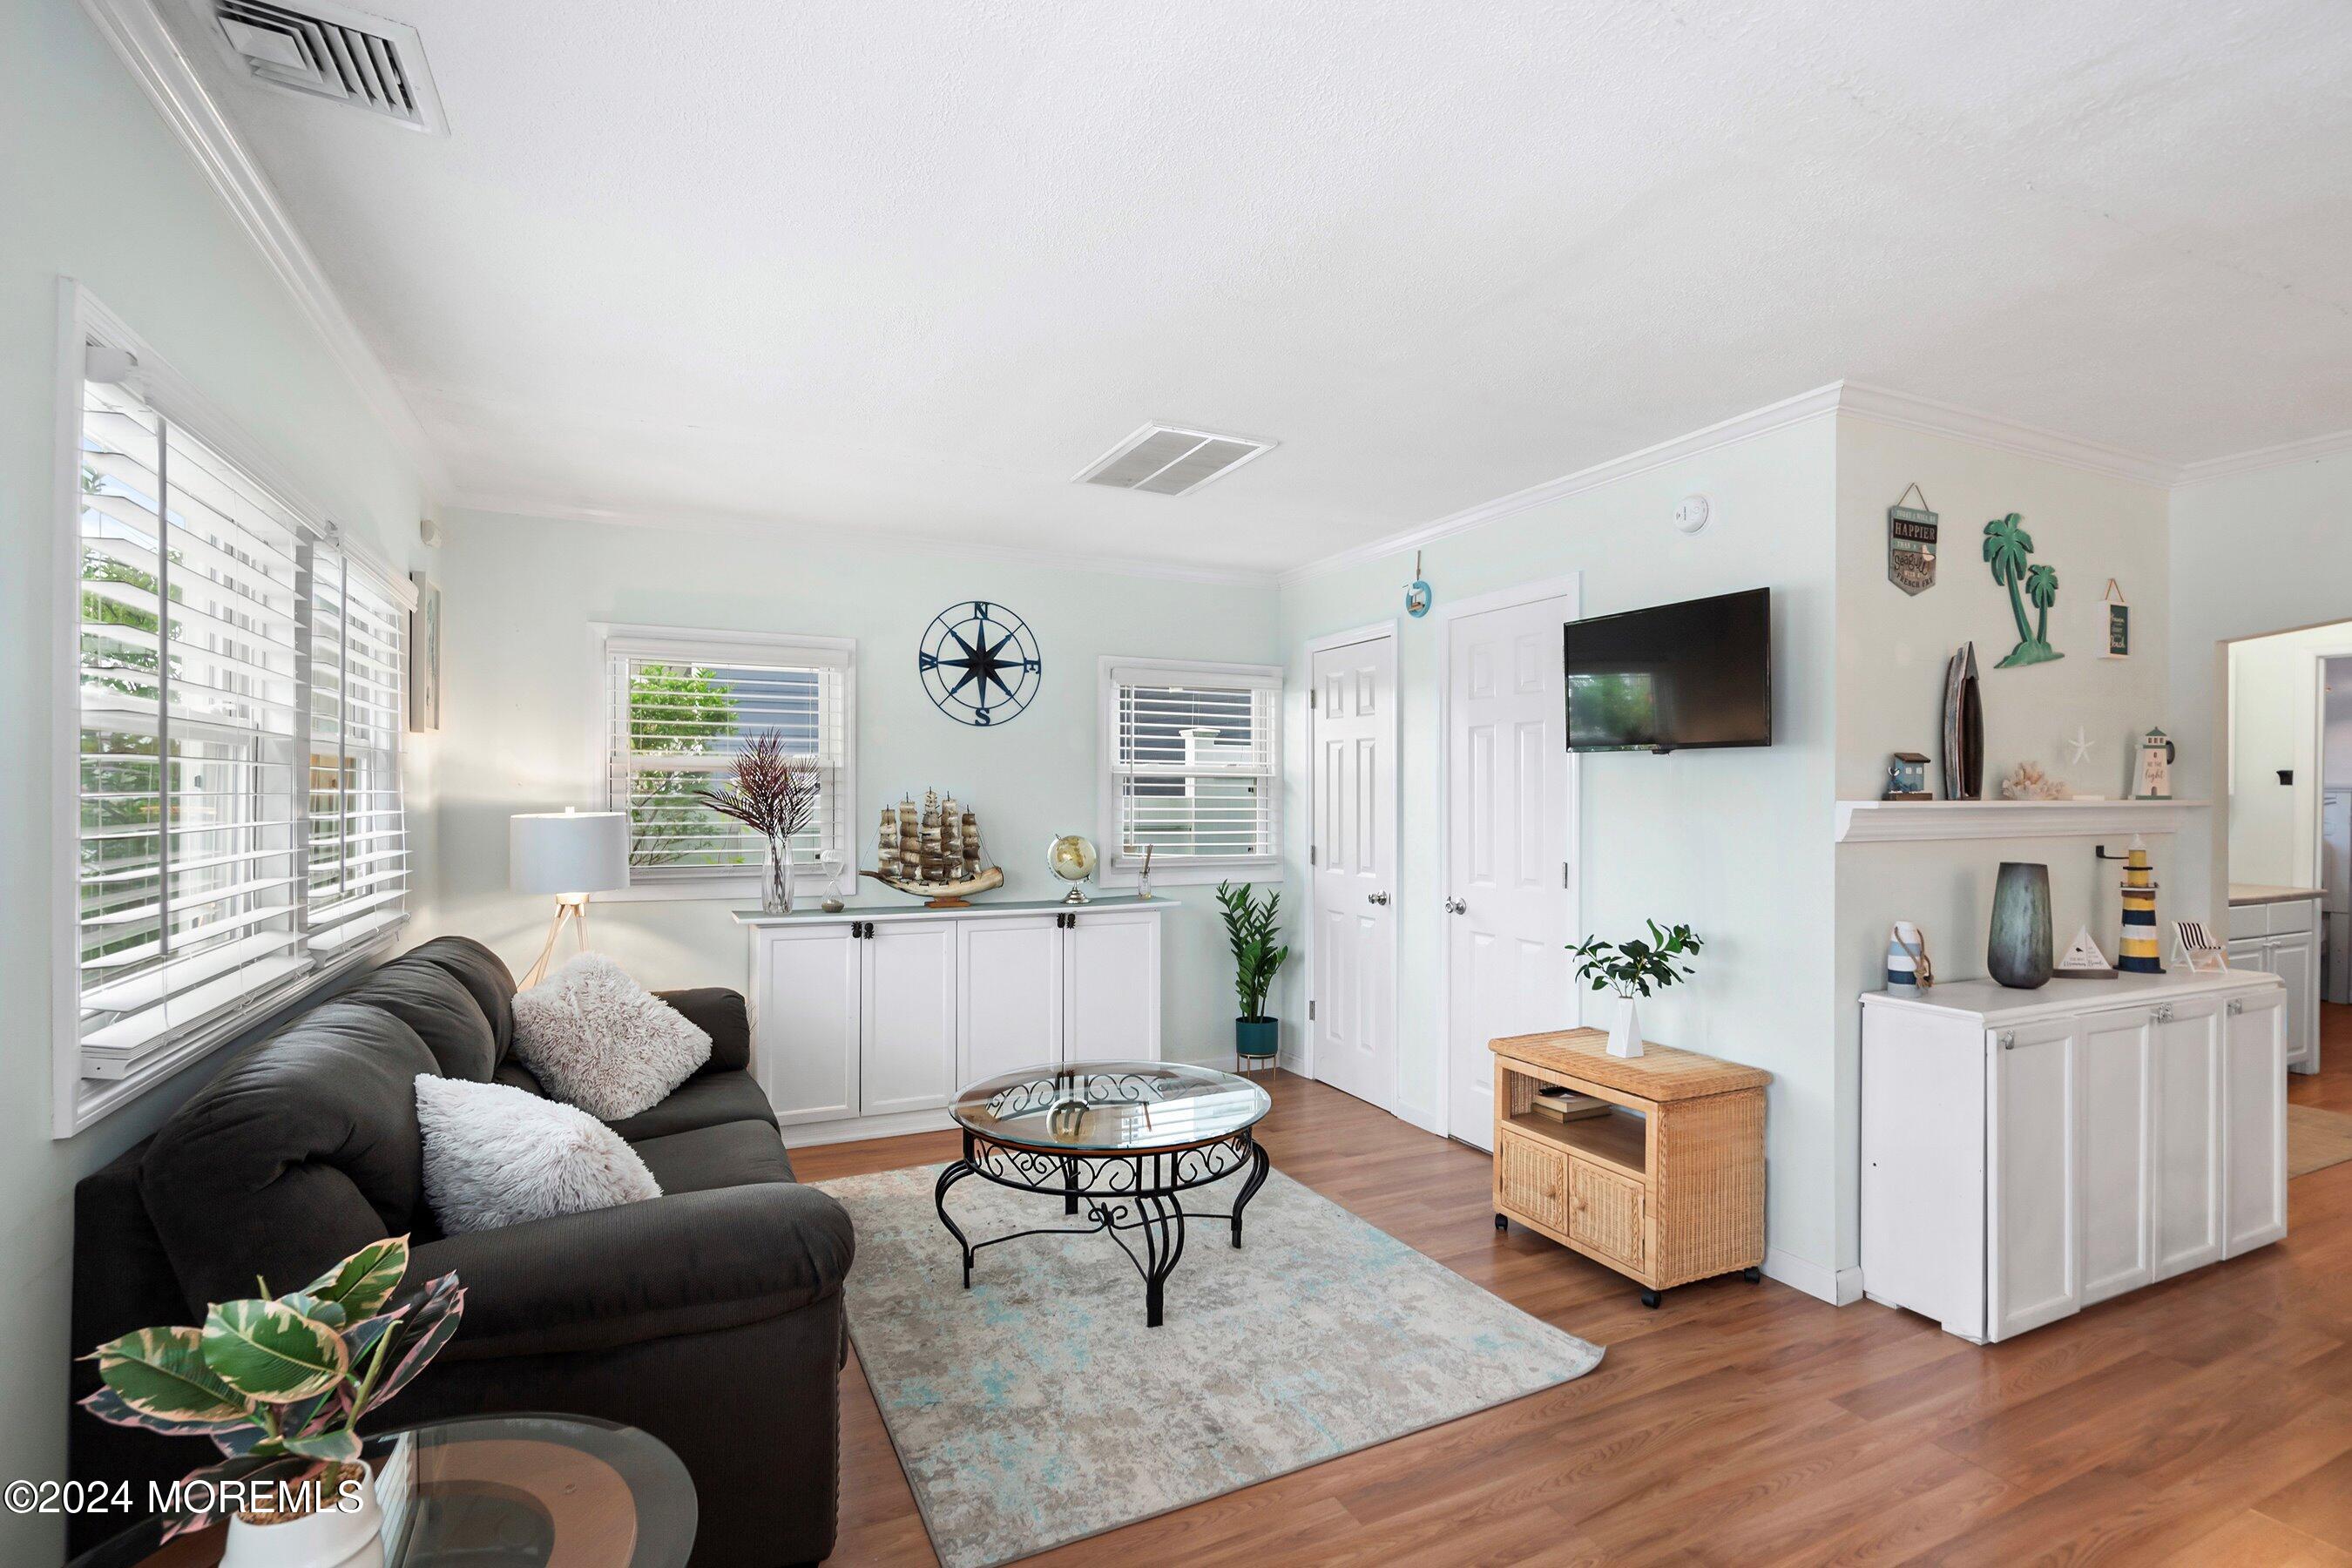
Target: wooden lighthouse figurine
(2140,954)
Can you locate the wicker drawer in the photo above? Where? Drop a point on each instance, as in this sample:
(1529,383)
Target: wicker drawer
(1605,1213)
(1531,1180)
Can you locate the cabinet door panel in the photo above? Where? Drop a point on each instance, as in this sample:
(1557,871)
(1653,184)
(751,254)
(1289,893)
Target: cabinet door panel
(1605,1213)
(1111,987)
(2186,1069)
(2254,1121)
(807,993)
(2295,960)
(2115,1152)
(2033,1250)
(1531,1180)
(907,1048)
(1010,974)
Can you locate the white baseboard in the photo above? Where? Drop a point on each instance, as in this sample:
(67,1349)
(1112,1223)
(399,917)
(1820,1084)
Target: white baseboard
(808,1134)
(1838,1287)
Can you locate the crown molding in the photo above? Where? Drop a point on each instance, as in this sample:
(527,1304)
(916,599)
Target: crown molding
(737,526)
(1805,406)
(136,32)
(1909,411)
(2286,455)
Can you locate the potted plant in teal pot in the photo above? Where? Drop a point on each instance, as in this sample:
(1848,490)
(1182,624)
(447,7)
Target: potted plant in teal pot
(1251,929)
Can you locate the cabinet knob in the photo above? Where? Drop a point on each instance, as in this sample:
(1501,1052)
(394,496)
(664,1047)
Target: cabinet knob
(2163,1013)
(2236,1008)
(2009,1042)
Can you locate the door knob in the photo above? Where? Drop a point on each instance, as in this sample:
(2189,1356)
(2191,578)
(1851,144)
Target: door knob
(1376,897)
(1455,906)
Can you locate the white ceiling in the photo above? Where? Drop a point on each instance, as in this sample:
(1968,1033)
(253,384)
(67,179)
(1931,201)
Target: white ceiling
(908,267)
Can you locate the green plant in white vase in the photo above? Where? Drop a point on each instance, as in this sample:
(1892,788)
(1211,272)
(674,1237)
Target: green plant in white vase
(1633,969)
(280,1384)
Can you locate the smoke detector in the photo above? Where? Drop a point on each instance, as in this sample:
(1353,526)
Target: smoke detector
(321,49)
(1169,460)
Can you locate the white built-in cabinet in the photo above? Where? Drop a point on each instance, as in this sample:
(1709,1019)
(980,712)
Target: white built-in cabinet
(866,1022)
(2281,937)
(2029,1153)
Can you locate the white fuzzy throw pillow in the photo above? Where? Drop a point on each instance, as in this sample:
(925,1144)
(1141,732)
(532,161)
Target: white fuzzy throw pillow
(599,1040)
(497,1156)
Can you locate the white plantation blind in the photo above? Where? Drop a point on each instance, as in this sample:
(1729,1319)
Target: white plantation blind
(195,875)
(1193,764)
(679,708)
(358,862)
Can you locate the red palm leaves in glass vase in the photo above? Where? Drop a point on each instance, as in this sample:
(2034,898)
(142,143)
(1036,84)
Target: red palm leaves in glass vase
(773,793)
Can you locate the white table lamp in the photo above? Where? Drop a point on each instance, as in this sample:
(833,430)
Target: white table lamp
(570,854)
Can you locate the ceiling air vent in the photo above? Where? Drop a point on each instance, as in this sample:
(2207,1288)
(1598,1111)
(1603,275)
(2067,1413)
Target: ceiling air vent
(325,50)
(1171,461)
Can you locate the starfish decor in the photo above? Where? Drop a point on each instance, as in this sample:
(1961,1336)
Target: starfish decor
(2082,743)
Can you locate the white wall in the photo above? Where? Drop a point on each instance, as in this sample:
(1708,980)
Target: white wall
(1735,842)
(522,689)
(93,187)
(2336,736)
(1891,653)
(2273,695)
(2259,552)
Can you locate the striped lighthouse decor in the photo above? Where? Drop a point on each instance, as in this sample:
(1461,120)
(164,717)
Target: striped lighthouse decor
(2140,951)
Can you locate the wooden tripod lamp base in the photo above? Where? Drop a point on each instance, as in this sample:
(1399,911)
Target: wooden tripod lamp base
(573,854)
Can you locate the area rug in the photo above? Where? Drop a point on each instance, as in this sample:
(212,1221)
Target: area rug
(1036,1409)
(2316,1139)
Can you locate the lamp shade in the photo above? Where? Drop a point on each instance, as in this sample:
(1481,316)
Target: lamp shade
(568,852)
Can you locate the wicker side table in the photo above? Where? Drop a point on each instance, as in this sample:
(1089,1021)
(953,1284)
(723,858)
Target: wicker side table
(1667,1188)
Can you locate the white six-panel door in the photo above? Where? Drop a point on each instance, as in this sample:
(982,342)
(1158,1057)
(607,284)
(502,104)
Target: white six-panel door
(1507,895)
(1352,726)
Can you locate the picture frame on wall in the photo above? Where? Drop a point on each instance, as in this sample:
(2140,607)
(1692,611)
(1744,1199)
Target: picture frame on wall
(2118,623)
(424,655)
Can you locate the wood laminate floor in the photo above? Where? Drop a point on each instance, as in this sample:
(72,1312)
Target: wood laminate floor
(2207,1420)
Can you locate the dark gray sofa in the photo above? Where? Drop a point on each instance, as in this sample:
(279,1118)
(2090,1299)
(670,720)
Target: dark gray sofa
(710,1317)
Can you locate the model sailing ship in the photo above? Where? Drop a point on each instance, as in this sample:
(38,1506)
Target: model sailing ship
(933,852)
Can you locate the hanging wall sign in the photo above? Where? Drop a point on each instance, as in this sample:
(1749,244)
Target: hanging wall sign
(1911,543)
(2118,624)
(1416,592)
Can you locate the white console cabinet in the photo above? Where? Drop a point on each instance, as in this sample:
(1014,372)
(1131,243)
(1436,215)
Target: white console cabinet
(864,1022)
(2028,1153)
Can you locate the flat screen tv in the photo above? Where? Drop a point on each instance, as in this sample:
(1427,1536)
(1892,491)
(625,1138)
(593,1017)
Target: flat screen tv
(1672,677)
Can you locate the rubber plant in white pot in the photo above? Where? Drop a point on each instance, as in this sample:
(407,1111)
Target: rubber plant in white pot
(1633,968)
(279,1384)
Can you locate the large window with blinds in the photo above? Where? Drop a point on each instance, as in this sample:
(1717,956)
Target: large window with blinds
(1190,755)
(679,706)
(237,777)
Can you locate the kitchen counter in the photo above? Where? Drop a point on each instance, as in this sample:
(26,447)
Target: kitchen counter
(2264,893)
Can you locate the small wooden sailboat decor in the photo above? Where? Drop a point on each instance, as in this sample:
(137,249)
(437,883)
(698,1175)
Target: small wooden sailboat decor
(933,852)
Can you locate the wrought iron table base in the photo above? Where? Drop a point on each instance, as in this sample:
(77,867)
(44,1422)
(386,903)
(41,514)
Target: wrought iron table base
(1136,1193)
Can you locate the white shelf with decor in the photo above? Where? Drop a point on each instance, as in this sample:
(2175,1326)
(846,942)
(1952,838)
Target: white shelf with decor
(865,1021)
(1882,821)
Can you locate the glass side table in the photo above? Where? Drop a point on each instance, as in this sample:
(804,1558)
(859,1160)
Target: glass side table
(495,1492)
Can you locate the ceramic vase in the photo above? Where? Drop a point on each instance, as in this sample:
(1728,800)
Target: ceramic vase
(329,1537)
(2018,953)
(1626,1036)
(776,883)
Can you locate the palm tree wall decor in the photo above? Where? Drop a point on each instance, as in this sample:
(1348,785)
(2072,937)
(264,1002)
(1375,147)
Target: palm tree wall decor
(2009,551)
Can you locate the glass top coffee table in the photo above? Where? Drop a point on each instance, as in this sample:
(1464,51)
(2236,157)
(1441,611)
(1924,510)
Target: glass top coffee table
(1129,1138)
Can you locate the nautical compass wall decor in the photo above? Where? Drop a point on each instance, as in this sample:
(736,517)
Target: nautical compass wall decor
(978,663)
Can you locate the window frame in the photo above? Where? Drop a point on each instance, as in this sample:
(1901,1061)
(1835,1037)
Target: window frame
(609,639)
(1116,870)
(77,1101)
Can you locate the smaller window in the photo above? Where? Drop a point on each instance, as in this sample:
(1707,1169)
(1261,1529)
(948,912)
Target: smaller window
(1191,758)
(679,706)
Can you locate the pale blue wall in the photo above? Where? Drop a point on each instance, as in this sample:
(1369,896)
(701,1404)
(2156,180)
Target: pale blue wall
(522,688)
(92,186)
(1735,842)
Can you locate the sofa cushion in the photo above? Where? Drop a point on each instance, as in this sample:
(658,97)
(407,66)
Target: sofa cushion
(303,1150)
(481,972)
(435,1003)
(710,1100)
(735,1154)
(514,1075)
(718,1013)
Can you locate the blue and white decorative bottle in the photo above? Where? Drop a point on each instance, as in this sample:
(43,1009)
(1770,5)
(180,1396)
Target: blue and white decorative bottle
(1907,969)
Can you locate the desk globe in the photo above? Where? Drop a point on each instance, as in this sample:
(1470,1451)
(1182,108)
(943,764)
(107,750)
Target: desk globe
(1072,859)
